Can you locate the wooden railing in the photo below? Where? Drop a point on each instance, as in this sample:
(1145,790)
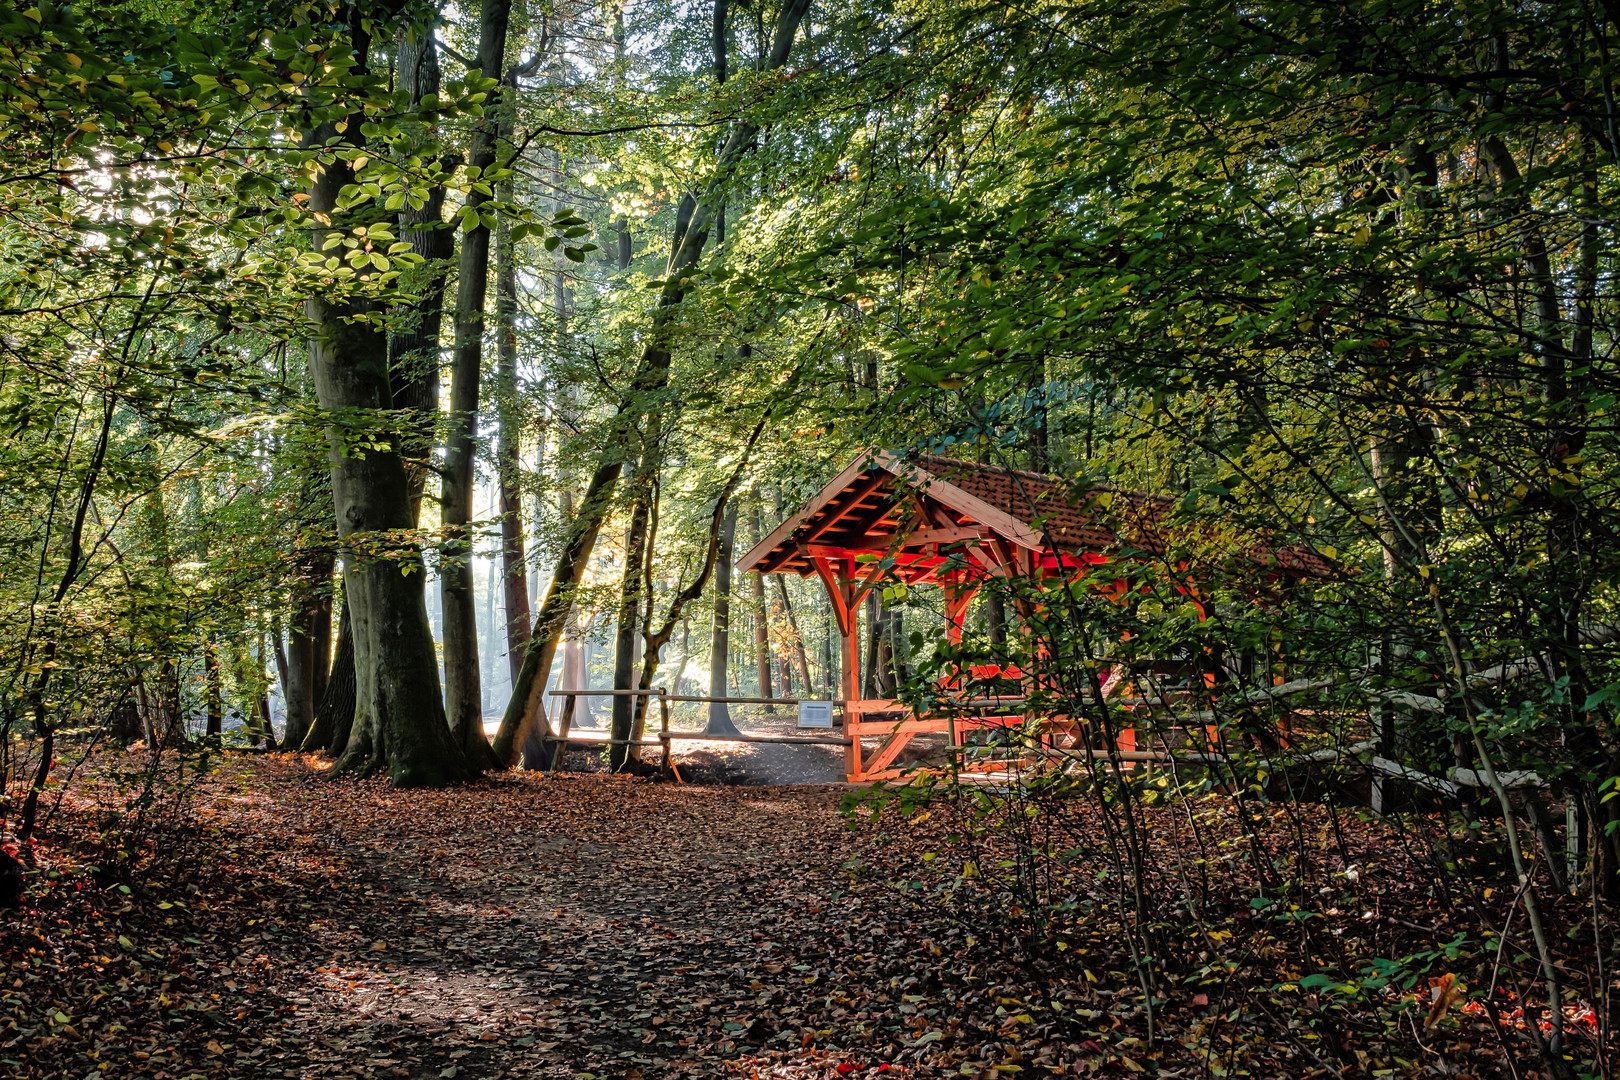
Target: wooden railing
(665,735)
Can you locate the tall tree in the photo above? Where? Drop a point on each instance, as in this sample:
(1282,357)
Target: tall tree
(399,724)
(719,721)
(760,610)
(651,376)
(514,565)
(413,355)
(633,598)
(463,695)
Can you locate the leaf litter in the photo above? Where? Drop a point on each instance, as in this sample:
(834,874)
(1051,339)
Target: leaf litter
(603,927)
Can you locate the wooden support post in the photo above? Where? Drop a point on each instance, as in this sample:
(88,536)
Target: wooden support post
(845,598)
(852,698)
(957,597)
(663,727)
(561,745)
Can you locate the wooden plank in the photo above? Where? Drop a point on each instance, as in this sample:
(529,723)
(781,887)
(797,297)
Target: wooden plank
(878,705)
(857,495)
(656,691)
(600,740)
(879,728)
(703,736)
(735,700)
(969,506)
(917,560)
(889,749)
(833,489)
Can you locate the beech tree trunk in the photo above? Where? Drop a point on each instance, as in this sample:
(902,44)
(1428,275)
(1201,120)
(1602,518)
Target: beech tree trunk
(283,670)
(995,617)
(799,657)
(720,722)
(341,690)
(874,636)
(312,605)
(266,730)
(413,349)
(762,623)
(514,568)
(464,700)
(399,722)
(334,716)
(526,706)
(298,689)
(624,639)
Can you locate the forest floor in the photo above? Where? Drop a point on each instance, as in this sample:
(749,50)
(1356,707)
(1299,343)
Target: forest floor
(606,928)
(578,926)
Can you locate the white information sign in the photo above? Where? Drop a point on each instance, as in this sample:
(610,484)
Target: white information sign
(815,714)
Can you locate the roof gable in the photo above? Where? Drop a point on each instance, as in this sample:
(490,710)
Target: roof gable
(882,503)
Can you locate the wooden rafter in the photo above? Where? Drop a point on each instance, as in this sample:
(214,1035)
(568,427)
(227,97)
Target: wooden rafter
(842,609)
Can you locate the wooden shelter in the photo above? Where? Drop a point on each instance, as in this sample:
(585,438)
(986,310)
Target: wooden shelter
(885,519)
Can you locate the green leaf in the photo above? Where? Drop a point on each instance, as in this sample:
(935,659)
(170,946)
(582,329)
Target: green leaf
(1598,697)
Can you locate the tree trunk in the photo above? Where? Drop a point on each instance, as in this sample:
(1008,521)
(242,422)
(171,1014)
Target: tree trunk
(267,730)
(335,714)
(341,690)
(874,635)
(624,641)
(686,657)
(283,672)
(171,723)
(885,653)
(880,667)
(309,645)
(995,617)
(299,688)
(399,724)
(525,708)
(514,568)
(214,698)
(799,657)
(265,733)
(722,527)
(899,669)
(720,722)
(463,695)
(762,624)
(413,349)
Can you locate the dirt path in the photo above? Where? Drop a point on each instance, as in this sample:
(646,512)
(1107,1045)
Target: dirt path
(591,927)
(596,926)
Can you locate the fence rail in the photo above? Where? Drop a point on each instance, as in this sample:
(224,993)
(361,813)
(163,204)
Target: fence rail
(665,737)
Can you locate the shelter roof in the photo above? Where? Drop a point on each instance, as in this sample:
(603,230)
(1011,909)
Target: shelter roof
(909,507)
